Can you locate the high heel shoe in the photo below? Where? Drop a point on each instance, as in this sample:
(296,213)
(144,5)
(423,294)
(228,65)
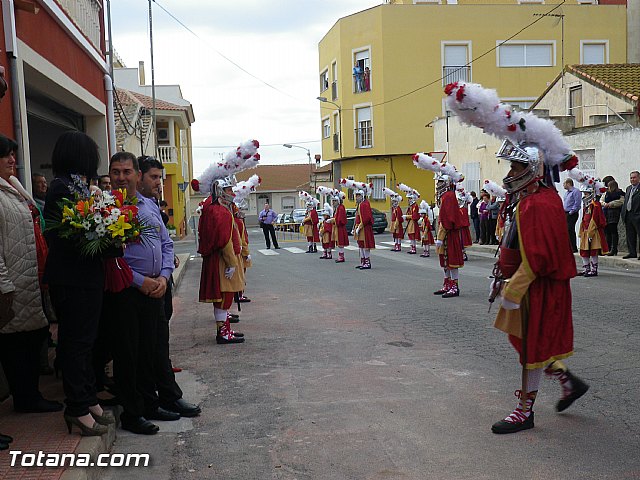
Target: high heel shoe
(95,431)
(103,419)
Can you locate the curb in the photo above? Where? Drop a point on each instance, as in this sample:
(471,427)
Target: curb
(94,446)
(631,265)
(179,272)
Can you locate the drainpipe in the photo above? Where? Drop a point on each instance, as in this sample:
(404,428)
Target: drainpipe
(111,122)
(11,43)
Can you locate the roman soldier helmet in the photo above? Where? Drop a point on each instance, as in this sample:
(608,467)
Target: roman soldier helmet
(589,186)
(310,201)
(412,195)
(361,189)
(220,176)
(393,196)
(531,141)
(445,174)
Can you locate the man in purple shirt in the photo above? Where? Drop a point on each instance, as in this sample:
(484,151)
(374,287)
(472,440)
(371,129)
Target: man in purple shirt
(266,218)
(572,204)
(134,312)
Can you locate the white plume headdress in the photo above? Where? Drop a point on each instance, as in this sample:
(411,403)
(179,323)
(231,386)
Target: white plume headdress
(587,181)
(243,189)
(245,156)
(442,171)
(328,209)
(481,107)
(308,199)
(367,188)
(409,191)
(492,188)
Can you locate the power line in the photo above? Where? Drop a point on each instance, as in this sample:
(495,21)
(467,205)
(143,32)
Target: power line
(222,55)
(261,145)
(438,80)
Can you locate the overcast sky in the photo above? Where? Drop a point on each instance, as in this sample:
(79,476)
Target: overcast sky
(275,40)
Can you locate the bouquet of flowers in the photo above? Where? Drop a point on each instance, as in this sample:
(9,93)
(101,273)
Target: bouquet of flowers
(102,225)
(105,221)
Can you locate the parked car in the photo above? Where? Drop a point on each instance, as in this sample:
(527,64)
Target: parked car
(298,214)
(285,221)
(379,220)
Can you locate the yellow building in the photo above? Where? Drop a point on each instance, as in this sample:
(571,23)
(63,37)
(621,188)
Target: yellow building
(404,52)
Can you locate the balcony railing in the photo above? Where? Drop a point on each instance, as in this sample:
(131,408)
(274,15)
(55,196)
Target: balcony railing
(86,16)
(336,142)
(364,137)
(334,90)
(168,154)
(453,73)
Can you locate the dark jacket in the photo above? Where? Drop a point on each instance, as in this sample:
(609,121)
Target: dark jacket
(612,214)
(474,208)
(64,264)
(634,213)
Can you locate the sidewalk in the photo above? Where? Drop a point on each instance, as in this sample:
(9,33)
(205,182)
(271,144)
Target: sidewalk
(614,263)
(47,432)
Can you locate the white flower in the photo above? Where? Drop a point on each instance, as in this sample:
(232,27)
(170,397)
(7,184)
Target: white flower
(115,214)
(86,225)
(108,199)
(97,218)
(91,236)
(101,230)
(108,220)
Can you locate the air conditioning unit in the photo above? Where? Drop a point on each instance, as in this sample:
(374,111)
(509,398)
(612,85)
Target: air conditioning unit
(163,135)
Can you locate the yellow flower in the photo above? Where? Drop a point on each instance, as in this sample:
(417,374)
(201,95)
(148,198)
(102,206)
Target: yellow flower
(117,229)
(67,213)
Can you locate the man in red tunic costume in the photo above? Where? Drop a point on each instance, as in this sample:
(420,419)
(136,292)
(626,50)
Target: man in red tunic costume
(536,264)
(397,219)
(593,241)
(412,216)
(363,223)
(310,222)
(339,233)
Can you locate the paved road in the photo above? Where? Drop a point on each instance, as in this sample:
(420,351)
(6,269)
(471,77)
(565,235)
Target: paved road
(351,374)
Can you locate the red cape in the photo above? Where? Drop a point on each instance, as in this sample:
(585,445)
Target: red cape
(215,230)
(341,224)
(365,217)
(451,220)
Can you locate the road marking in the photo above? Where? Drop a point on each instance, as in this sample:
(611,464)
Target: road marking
(295,250)
(381,247)
(389,243)
(265,251)
(351,247)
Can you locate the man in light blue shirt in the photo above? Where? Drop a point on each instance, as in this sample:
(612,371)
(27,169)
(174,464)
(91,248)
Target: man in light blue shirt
(572,202)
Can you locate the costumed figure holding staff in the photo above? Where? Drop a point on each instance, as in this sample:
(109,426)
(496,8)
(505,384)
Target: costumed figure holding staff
(425,220)
(593,241)
(241,192)
(310,222)
(220,244)
(339,235)
(495,190)
(412,216)
(326,229)
(397,219)
(450,221)
(363,223)
(536,265)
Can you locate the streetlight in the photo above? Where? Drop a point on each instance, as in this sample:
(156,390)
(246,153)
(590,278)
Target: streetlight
(325,100)
(289,145)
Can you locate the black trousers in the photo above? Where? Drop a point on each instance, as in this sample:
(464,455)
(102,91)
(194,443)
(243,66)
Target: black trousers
(168,389)
(633,230)
(571,225)
(476,227)
(20,358)
(493,223)
(484,231)
(611,233)
(133,319)
(266,229)
(78,313)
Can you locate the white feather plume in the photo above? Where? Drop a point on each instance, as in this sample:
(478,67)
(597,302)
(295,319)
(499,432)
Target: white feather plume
(587,180)
(479,106)
(243,157)
(492,188)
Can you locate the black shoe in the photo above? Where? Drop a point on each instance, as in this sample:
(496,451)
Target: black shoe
(244,299)
(41,406)
(4,446)
(578,389)
(109,402)
(507,427)
(182,407)
(139,425)
(220,340)
(234,315)
(5,438)
(235,319)
(162,414)
(268,248)
(277,248)
(628,256)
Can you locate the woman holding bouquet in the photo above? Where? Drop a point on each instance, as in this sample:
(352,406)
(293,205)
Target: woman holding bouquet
(76,284)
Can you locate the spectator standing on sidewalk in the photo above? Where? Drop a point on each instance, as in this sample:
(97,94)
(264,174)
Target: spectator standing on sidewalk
(266,217)
(493,209)
(631,214)
(475,216)
(612,202)
(572,203)
(484,219)
(39,188)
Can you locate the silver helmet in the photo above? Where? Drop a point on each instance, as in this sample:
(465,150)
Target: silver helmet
(444,183)
(527,154)
(359,196)
(220,185)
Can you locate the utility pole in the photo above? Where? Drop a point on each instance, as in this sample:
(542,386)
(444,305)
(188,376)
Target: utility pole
(153,85)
